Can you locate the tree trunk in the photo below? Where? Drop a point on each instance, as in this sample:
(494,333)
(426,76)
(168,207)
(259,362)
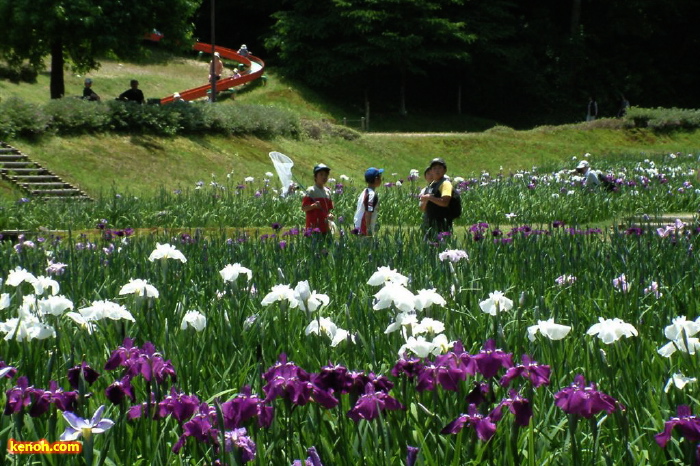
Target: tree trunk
(366,110)
(459,99)
(402,92)
(57,86)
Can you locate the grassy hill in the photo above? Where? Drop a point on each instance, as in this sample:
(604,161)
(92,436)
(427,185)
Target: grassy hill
(142,164)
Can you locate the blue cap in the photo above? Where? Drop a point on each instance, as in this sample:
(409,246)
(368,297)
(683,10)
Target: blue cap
(372,173)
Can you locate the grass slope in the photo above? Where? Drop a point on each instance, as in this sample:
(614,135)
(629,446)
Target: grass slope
(143,164)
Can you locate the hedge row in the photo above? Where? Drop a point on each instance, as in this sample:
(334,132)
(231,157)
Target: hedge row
(76,116)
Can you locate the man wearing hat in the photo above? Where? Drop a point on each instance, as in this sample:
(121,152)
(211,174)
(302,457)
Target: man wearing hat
(590,178)
(317,202)
(88,93)
(368,202)
(437,198)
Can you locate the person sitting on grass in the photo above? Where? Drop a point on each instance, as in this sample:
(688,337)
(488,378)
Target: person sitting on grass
(134,94)
(317,202)
(88,93)
(368,202)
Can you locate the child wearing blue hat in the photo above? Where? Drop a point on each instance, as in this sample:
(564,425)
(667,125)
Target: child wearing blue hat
(367,203)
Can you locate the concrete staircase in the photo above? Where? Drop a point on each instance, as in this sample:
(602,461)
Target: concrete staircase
(34,179)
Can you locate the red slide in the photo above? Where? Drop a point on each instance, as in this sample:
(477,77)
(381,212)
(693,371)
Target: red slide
(254,69)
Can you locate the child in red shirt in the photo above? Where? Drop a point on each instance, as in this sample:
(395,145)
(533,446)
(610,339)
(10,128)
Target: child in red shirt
(317,201)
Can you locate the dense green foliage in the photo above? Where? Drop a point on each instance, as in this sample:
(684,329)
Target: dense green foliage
(530,62)
(79,32)
(76,116)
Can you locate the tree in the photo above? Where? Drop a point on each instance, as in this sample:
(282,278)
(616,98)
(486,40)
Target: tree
(81,31)
(328,40)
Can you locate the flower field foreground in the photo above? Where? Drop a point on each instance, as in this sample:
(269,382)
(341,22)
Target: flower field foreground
(651,184)
(493,346)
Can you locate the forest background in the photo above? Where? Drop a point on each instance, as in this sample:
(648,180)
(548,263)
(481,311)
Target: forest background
(522,63)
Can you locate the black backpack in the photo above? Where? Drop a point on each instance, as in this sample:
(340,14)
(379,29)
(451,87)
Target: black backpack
(454,208)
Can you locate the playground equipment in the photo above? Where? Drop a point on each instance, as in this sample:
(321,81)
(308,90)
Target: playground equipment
(254,70)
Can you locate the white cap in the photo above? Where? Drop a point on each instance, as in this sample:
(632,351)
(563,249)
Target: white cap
(176,95)
(216,54)
(583,164)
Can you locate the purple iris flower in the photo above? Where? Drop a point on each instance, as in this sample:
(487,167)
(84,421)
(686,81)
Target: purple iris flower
(516,404)
(245,406)
(120,355)
(19,396)
(144,361)
(7,371)
(411,366)
(530,369)
(479,394)
(119,390)
(333,377)
(64,401)
(238,439)
(489,360)
(201,427)
(484,426)
(289,381)
(582,400)
(82,370)
(152,365)
(360,380)
(313,458)
(370,404)
(448,370)
(179,405)
(687,424)
(411,455)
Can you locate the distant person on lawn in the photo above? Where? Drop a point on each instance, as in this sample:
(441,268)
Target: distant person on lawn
(592,112)
(243,51)
(422,203)
(88,93)
(133,94)
(624,105)
(216,67)
(368,203)
(590,177)
(437,199)
(317,203)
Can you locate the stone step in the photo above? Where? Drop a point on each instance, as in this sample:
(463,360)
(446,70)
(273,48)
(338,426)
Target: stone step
(57,192)
(57,184)
(8,150)
(12,157)
(36,170)
(18,164)
(33,178)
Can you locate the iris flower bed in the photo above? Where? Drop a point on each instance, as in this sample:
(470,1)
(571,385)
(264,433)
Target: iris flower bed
(650,185)
(497,344)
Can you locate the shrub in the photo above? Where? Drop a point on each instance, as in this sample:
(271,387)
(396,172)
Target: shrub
(77,116)
(20,118)
(664,119)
